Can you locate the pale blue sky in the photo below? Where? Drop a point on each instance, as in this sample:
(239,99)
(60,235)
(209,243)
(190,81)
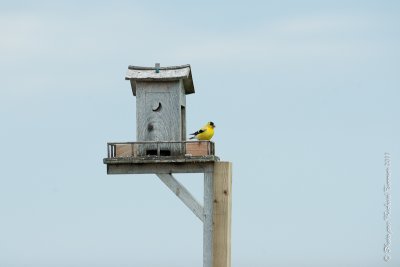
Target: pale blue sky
(305,96)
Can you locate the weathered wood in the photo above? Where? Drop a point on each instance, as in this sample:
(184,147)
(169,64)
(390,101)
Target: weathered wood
(199,148)
(124,150)
(160,106)
(150,74)
(152,168)
(145,142)
(155,159)
(132,67)
(183,194)
(173,73)
(222,208)
(159,116)
(208,219)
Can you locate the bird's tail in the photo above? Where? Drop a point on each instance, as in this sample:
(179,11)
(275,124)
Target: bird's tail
(192,137)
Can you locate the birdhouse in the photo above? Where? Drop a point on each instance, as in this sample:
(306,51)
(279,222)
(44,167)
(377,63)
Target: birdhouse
(162,149)
(160,107)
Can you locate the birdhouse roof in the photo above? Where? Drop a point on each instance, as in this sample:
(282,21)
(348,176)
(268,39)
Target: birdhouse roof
(172,73)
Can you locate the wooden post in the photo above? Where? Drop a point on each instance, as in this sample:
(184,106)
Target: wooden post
(208,218)
(222,206)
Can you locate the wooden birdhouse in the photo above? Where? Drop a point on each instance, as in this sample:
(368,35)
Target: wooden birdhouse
(162,149)
(160,107)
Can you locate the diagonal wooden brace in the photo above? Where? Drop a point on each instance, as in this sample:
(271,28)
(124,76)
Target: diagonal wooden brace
(183,194)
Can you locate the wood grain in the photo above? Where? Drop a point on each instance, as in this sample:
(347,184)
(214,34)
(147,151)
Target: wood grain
(159,116)
(151,168)
(124,150)
(198,148)
(208,220)
(174,73)
(222,190)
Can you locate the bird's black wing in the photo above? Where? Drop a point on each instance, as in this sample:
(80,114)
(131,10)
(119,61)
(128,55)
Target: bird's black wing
(198,132)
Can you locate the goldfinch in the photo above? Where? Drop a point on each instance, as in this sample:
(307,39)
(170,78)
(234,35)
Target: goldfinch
(205,133)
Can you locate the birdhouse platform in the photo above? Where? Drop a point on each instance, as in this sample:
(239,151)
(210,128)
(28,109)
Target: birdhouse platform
(131,155)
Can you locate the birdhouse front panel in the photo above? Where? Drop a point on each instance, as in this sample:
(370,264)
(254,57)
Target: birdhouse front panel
(160,115)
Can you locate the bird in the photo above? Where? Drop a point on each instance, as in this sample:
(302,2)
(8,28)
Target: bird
(205,133)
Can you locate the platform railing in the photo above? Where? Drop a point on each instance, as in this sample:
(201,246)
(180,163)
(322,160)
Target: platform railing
(186,148)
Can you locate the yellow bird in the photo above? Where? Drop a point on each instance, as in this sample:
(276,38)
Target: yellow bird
(205,133)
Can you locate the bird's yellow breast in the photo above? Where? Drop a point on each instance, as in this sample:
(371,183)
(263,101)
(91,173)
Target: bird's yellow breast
(207,134)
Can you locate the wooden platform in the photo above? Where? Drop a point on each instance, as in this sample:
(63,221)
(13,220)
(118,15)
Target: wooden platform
(143,165)
(125,158)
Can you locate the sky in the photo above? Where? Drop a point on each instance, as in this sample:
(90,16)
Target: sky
(304,95)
